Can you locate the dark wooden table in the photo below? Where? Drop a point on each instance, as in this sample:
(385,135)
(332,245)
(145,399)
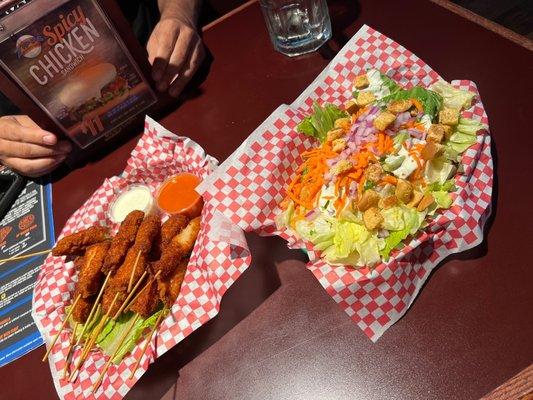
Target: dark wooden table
(279,335)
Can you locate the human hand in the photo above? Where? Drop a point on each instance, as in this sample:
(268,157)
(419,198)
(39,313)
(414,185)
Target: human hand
(28,149)
(175,51)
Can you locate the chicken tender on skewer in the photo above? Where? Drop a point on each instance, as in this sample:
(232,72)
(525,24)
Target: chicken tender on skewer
(171,227)
(90,277)
(107,300)
(148,231)
(122,241)
(76,243)
(83,308)
(180,246)
(147,301)
(131,269)
(169,288)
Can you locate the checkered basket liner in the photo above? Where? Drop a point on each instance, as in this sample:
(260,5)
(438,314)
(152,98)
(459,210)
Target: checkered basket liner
(249,187)
(219,257)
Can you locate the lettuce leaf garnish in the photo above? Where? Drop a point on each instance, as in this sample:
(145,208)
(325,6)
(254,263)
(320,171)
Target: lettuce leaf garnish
(453,98)
(431,101)
(464,135)
(321,121)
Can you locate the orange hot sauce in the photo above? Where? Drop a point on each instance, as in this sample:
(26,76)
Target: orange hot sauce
(177,195)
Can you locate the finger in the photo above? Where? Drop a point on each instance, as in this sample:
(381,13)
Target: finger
(159,49)
(26,121)
(29,150)
(194,63)
(11,129)
(33,168)
(178,60)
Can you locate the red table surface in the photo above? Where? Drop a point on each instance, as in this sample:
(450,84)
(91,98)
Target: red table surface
(279,335)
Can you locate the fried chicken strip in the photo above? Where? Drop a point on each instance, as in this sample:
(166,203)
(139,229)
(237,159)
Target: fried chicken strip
(170,287)
(179,247)
(149,229)
(132,268)
(76,243)
(82,309)
(122,241)
(107,300)
(147,301)
(171,227)
(90,277)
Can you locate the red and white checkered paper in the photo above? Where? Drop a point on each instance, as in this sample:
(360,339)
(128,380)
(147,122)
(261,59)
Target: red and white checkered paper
(216,262)
(249,187)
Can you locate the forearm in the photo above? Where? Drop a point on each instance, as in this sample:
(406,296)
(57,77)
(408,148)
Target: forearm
(183,9)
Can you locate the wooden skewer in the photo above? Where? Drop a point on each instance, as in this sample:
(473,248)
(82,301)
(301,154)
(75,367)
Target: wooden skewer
(127,308)
(29,255)
(123,306)
(92,313)
(130,283)
(119,345)
(61,328)
(89,343)
(70,347)
(148,341)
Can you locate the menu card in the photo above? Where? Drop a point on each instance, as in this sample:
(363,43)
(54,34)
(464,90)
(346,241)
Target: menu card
(27,228)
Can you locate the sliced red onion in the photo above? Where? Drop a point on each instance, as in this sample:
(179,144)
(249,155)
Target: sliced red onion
(311,215)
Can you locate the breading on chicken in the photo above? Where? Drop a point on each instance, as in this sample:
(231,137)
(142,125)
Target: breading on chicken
(147,301)
(76,243)
(179,247)
(107,300)
(122,241)
(170,287)
(171,227)
(81,311)
(148,231)
(90,276)
(131,269)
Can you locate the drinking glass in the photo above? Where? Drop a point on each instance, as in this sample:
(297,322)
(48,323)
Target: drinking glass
(297,26)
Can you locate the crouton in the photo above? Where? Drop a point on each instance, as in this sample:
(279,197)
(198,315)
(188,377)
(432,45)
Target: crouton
(404,191)
(383,120)
(361,82)
(435,133)
(417,196)
(333,134)
(449,116)
(365,98)
(341,166)
(431,150)
(399,106)
(372,218)
(426,201)
(388,202)
(448,130)
(374,172)
(351,106)
(370,198)
(343,123)
(338,145)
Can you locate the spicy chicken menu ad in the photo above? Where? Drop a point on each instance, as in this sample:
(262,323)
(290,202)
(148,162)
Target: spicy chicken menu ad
(74,65)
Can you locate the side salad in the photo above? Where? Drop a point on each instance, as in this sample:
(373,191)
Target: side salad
(383,165)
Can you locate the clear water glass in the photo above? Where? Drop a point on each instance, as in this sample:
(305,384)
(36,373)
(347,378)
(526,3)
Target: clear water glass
(297,26)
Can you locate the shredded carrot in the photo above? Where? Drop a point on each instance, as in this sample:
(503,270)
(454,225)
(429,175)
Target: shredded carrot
(418,105)
(390,179)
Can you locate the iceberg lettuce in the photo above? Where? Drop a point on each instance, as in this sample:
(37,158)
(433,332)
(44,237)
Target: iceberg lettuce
(405,218)
(464,135)
(321,121)
(453,97)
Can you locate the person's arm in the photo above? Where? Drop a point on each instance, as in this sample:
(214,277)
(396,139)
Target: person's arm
(175,49)
(28,149)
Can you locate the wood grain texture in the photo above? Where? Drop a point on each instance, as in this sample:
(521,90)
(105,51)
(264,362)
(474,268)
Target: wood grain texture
(519,386)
